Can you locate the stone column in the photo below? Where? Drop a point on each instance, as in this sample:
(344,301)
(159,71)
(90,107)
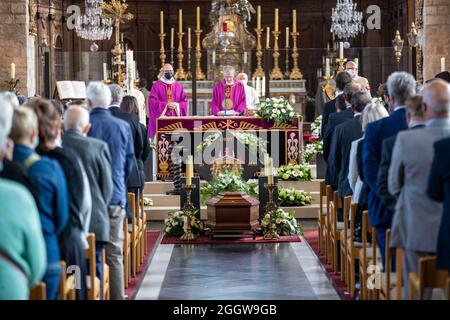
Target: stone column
(17,46)
(436,15)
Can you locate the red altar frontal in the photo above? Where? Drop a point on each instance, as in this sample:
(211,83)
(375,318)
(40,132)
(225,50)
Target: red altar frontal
(290,135)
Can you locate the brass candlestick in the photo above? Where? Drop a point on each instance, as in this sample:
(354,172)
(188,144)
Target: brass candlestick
(162,50)
(287,72)
(189,211)
(189,73)
(180,74)
(198,56)
(276,71)
(259,72)
(341,63)
(295,73)
(271,207)
(172,61)
(12,85)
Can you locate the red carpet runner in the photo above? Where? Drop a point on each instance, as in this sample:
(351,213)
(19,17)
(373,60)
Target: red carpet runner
(312,237)
(152,237)
(207,240)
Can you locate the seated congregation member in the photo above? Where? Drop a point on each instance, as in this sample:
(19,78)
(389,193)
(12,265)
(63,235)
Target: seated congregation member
(117,134)
(417,217)
(439,190)
(22,246)
(341,80)
(343,136)
(48,179)
(96,159)
(72,241)
(401,85)
(374,111)
(416,120)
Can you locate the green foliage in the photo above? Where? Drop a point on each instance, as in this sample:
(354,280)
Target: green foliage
(293,198)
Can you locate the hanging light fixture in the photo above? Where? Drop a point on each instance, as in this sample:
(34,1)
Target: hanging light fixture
(92,26)
(346,22)
(398,46)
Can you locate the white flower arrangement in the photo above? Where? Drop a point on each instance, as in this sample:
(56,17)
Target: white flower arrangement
(174,224)
(148,202)
(277,110)
(283,222)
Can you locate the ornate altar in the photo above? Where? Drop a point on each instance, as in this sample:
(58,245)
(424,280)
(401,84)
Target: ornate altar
(193,129)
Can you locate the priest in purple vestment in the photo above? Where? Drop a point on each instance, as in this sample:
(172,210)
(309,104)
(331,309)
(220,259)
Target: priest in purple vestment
(228,95)
(167,96)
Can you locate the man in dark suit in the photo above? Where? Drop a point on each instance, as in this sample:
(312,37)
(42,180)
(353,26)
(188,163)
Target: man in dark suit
(96,159)
(439,190)
(416,119)
(345,114)
(401,85)
(341,80)
(343,136)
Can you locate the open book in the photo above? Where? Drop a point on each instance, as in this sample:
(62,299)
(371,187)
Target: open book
(70,90)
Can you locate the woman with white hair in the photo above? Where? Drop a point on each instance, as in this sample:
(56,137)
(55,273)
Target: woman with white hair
(22,247)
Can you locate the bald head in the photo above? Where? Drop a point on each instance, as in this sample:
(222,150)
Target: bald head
(436,98)
(76,118)
(167,67)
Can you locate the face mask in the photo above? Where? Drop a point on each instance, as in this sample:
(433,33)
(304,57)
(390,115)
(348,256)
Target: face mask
(36,142)
(168,75)
(244,82)
(351,72)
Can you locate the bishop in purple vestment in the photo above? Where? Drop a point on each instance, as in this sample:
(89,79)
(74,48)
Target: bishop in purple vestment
(228,91)
(166,94)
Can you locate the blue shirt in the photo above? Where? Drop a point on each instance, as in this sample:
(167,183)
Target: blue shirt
(50,183)
(117,134)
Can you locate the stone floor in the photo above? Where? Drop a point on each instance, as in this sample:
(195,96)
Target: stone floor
(236,271)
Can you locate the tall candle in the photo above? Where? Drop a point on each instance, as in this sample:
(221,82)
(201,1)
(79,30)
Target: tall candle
(213,57)
(266,164)
(180,20)
(172,35)
(268,38)
(276,19)
(263,86)
(258,14)
(245,57)
(198,18)
(357,63)
(161,21)
(270,171)
(287,37)
(189,38)
(442,64)
(294,21)
(13,71)
(253,82)
(327,67)
(189,170)
(105,71)
(341,50)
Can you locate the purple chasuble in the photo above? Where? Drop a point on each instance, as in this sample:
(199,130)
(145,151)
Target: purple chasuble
(237,95)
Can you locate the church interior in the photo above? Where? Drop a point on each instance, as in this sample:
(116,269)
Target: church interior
(224,150)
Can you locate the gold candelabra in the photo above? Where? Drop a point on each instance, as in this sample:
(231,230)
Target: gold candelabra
(341,62)
(189,73)
(198,57)
(276,72)
(189,211)
(270,209)
(259,72)
(116,10)
(295,73)
(287,72)
(162,50)
(180,74)
(12,85)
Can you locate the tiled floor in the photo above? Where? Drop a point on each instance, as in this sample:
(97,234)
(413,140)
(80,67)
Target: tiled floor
(237,271)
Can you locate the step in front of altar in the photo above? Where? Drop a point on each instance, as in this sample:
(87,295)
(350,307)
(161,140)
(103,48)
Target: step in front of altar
(159,213)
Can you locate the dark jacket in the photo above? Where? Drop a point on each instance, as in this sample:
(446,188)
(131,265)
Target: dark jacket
(439,190)
(14,172)
(134,181)
(96,159)
(374,135)
(117,134)
(145,153)
(328,108)
(343,136)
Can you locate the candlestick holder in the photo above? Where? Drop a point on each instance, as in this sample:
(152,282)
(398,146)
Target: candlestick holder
(162,50)
(259,72)
(271,207)
(287,73)
(276,71)
(12,85)
(189,73)
(180,74)
(172,61)
(341,63)
(198,57)
(295,73)
(189,211)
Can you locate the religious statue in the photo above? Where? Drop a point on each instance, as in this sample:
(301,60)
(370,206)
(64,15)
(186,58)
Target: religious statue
(228,95)
(167,98)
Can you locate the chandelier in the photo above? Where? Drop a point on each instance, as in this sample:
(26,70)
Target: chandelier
(346,22)
(92,26)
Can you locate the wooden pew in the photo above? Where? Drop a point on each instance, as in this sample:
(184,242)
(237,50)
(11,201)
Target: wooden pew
(427,277)
(38,292)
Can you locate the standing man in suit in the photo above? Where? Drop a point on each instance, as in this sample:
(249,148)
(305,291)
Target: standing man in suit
(343,136)
(416,214)
(341,79)
(415,116)
(96,159)
(401,85)
(439,190)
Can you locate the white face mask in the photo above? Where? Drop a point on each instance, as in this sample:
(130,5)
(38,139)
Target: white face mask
(244,82)
(352,72)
